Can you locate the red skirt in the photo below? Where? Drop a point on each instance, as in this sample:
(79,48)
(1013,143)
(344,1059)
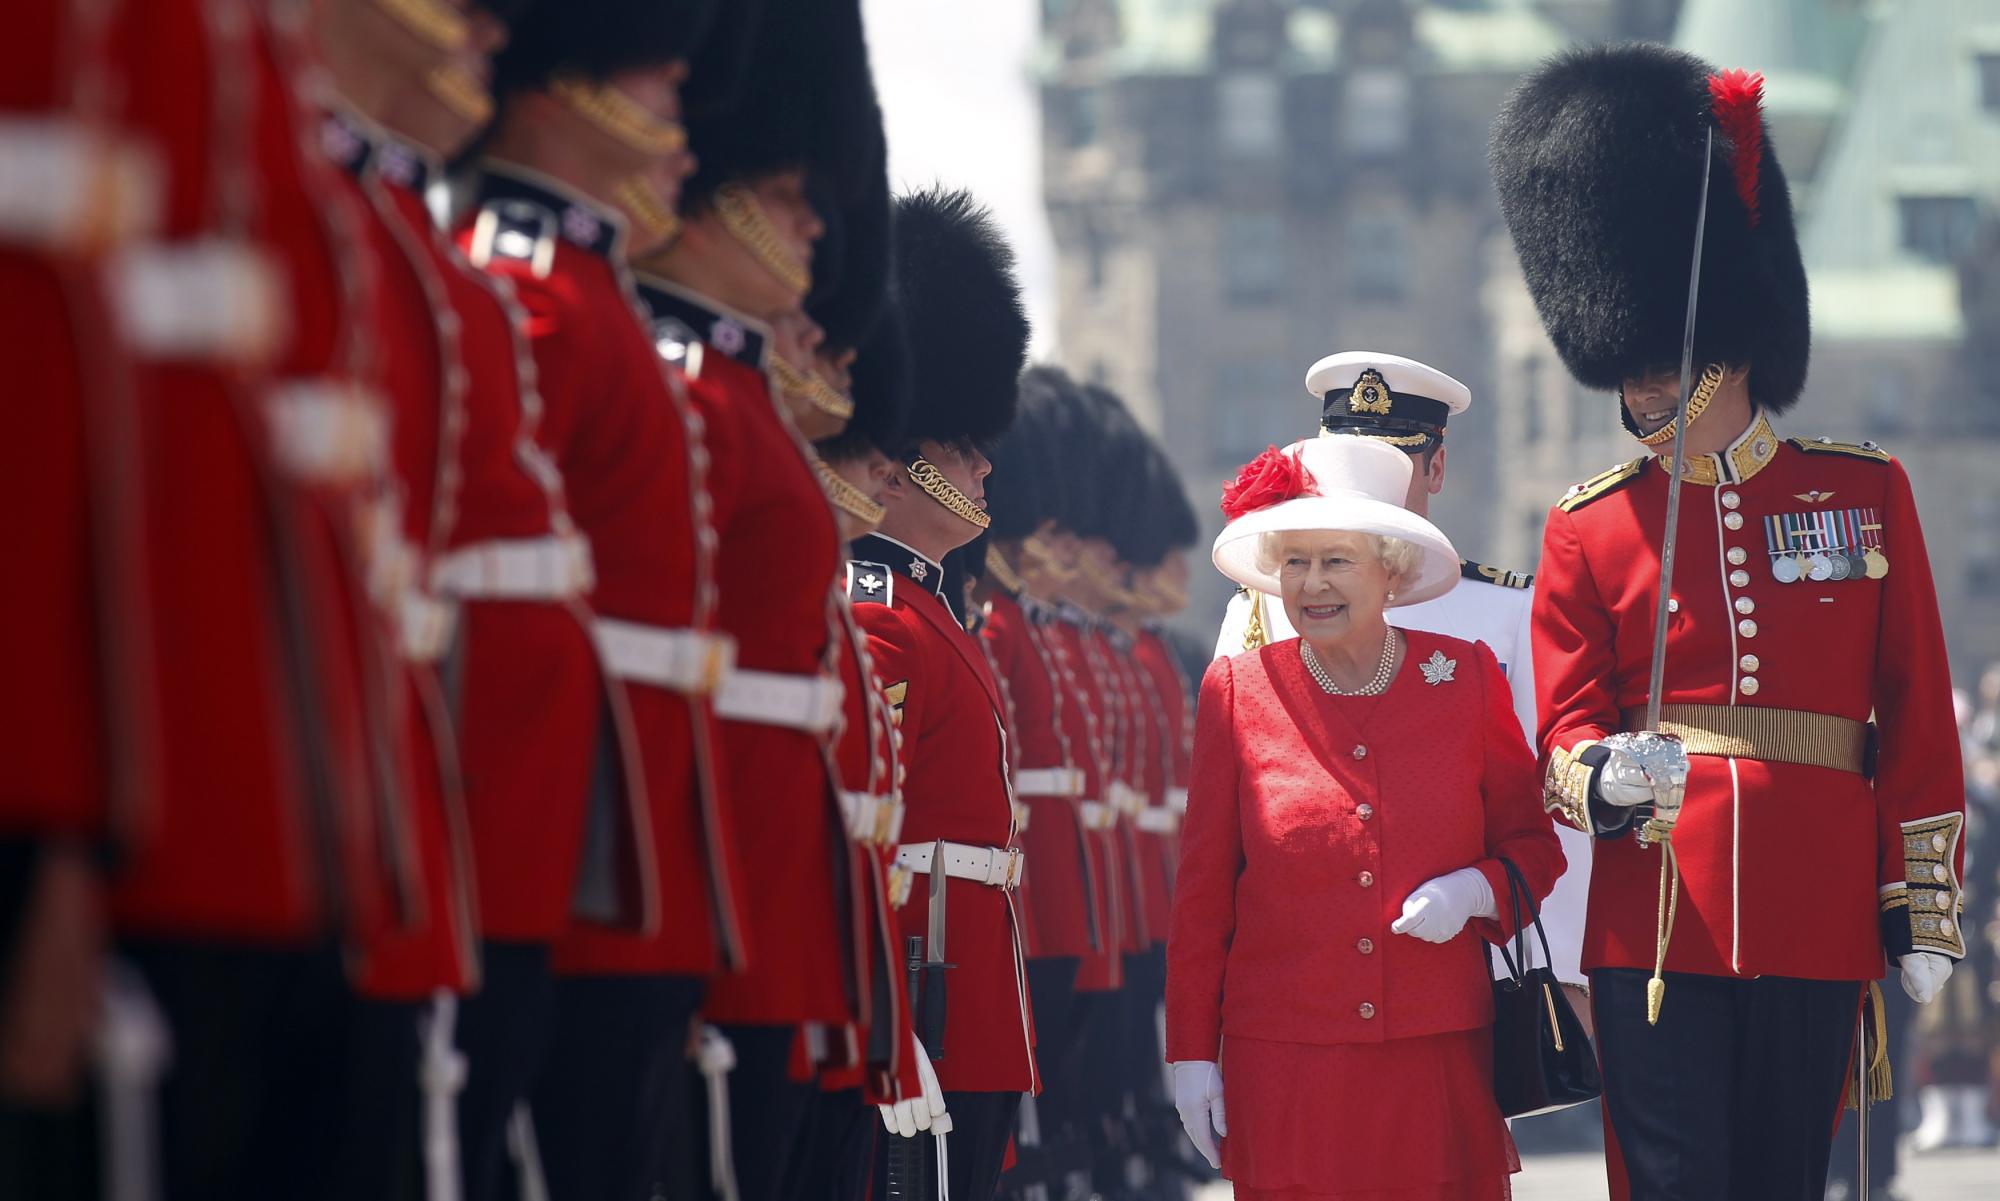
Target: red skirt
(1411,1119)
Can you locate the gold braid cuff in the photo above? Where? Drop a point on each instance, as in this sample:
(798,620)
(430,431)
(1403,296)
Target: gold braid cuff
(460,91)
(1930,890)
(624,118)
(924,474)
(436,23)
(1566,789)
(846,497)
(653,221)
(1002,571)
(745,220)
(1704,392)
(815,391)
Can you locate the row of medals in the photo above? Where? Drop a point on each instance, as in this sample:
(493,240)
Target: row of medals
(1819,566)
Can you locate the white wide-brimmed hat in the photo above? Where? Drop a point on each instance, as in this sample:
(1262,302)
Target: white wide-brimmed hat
(1354,485)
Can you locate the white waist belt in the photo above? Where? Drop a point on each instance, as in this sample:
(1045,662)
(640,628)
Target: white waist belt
(1126,799)
(1157,821)
(996,867)
(1096,815)
(872,819)
(770,698)
(1048,782)
(327,431)
(65,185)
(687,661)
(214,299)
(1177,799)
(425,625)
(556,567)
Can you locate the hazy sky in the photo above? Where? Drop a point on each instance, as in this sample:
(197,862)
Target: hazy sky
(953,77)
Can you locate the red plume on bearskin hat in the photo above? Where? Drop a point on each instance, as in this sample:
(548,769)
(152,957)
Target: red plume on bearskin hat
(1597,157)
(968,332)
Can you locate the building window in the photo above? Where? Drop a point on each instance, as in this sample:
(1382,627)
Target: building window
(1253,257)
(1249,115)
(1257,402)
(1086,116)
(1939,228)
(1989,82)
(1375,118)
(1377,256)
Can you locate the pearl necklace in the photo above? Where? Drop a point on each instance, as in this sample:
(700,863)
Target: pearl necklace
(1373,687)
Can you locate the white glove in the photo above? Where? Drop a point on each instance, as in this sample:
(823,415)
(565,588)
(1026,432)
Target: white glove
(1198,1096)
(1439,909)
(907,1118)
(1622,782)
(1924,973)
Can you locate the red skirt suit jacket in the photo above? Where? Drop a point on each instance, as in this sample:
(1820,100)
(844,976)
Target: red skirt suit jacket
(1311,818)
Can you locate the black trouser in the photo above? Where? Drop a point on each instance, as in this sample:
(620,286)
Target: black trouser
(504,1031)
(831,1160)
(381,1118)
(976,1146)
(1735,1094)
(614,1085)
(768,1110)
(250,1104)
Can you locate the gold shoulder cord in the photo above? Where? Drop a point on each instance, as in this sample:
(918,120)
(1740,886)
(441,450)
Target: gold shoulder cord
(845,496)
(460,91)
(620,116)
(744,218)
(1254,636)
(815,390)
(1711,379)
(436,23)
(924,474)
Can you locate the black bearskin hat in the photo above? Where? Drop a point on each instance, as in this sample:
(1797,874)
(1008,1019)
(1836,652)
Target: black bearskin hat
(596,39)
(1165,522)
(1117,468)
(1598,159)
(880,390)
(794,106)
(962,306)
(851,259)
(1027,485)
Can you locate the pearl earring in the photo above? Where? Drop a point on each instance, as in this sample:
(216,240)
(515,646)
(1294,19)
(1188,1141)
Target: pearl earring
(1392,596)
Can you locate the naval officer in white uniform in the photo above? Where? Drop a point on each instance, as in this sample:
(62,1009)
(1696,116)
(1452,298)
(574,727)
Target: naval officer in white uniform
(1407,404)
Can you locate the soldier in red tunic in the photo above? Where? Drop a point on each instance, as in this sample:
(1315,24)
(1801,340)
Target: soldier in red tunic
(640,904)
(1805,671)
(967,338)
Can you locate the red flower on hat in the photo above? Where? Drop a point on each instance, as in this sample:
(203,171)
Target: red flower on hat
(1265,480)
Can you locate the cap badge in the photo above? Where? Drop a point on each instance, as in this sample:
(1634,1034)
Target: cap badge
(1437,669)
(1370,395)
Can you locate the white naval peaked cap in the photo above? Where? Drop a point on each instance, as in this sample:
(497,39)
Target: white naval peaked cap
(1357,485)
(1405,377)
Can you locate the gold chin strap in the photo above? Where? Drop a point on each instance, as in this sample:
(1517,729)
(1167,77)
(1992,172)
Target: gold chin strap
(814,390)
(924,474)
(846,497)
(620,116)
(1001,570)
(652,220)
(1114,592)
(745,220)
(460,91)
(1037,556)
(1704,392)
(436,23)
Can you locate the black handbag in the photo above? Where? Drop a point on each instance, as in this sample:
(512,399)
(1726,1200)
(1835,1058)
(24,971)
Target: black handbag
(1542,1057)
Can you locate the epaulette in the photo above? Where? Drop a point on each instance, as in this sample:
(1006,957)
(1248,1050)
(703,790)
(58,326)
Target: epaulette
(869,583)
(514,229)
(1853,450)
(1604,483)
(1495,575)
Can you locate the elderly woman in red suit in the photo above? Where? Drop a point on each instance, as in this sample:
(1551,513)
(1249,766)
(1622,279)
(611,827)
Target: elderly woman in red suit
(1354,791)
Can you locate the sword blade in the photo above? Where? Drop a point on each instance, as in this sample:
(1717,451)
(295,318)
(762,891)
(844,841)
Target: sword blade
(1656,679)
